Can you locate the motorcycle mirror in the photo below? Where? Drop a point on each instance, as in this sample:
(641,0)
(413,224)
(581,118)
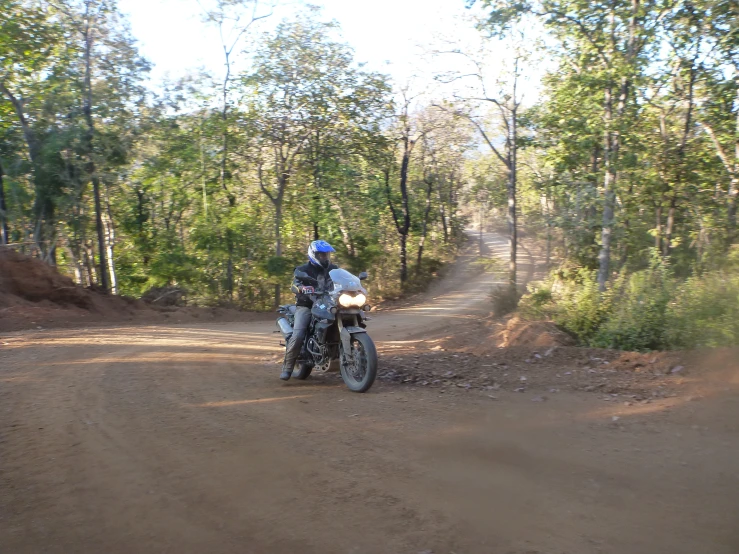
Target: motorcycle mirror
(362,276)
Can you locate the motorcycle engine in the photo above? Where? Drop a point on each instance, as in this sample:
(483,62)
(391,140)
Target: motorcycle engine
(320,353)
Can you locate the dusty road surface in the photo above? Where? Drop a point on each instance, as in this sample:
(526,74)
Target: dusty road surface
(181,439)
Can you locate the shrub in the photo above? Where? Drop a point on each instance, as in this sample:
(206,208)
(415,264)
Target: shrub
(643,310)
(637,315)
(571,299)
(705,308)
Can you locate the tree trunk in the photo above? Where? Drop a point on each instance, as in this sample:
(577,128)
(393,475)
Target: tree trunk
(734,182)
(612,144)
(549,204)
(224,175)
(403,229)
(76,265)
(316,201)
(92,277)
(110,245)
(512,228)
(406,209)
(424,229)
(702,240)
(403,258)
(611,149)
(230,265)
(343,227)
(91,169)
(202,176)
(481,222)
(43,206)
(680,173)
(278,245)
(732,199)
(732,169)
(452,210)
(100,229)
(512,185)
(442,213)
(610,154)
(669,226)
(78,242)
(4,233)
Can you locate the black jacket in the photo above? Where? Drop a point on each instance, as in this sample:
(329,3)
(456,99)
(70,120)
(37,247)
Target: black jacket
(318,273)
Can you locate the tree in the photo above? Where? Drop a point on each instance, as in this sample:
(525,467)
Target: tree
(609,43)
(719,115)
(213,190)
(30,42)
(4,232)
(472,104)
(444,144)
(407,139)
(106,53)
(302,84)
(234,19)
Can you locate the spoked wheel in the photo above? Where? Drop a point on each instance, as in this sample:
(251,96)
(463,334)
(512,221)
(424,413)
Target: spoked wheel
(302,371)
(360,374)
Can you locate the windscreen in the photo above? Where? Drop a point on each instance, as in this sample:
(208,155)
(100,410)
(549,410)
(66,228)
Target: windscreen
(343,280)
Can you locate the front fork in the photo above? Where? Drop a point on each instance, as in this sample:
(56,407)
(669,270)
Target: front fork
(345,333)
(346,343)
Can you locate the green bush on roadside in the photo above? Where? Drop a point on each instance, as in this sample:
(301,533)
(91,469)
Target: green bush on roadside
(648,309)
(705,311)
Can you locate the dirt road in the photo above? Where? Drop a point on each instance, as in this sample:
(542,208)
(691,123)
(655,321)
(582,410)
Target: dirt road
(182,439)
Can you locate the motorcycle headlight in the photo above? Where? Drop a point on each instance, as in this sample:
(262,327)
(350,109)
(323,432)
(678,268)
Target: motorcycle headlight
(349,301)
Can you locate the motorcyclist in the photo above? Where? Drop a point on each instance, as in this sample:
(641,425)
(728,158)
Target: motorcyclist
(318,267)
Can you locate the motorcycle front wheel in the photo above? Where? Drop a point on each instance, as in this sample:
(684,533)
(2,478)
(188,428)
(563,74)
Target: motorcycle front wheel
(362,373)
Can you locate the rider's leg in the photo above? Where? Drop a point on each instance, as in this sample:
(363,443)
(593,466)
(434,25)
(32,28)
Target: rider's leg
(300,330)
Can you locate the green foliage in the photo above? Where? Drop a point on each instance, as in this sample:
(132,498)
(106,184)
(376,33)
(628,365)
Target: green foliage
(649,309)
(633,143)
(636,316)
(571,299)
(705,309)
(277,266)
(218,194)
(221,194)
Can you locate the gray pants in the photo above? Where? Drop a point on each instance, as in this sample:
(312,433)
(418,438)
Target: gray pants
(300,330)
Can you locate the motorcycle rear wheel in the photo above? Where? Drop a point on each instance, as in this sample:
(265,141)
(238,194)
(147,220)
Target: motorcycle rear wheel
(361,377)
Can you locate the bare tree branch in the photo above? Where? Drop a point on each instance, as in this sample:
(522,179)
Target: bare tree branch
(719,149)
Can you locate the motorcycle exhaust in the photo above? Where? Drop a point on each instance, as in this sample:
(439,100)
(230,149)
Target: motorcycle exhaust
(285,328)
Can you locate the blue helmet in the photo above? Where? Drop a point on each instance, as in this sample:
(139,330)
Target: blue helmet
(319,253)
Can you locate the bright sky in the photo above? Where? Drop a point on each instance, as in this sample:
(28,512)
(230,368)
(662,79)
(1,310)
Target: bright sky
(389,35)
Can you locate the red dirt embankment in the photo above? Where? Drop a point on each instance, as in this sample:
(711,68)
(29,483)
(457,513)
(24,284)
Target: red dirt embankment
(34,294)
(536,357)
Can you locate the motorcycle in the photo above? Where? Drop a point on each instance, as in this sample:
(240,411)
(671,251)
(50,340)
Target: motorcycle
(337,335)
